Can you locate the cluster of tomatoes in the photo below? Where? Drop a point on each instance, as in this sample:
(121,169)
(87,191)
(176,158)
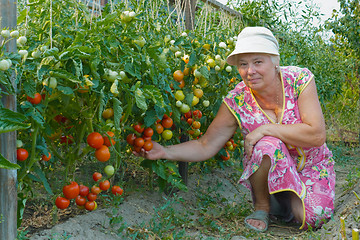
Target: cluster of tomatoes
(229,146)
(141,138)
(193,119)
(83,195)
(101,144)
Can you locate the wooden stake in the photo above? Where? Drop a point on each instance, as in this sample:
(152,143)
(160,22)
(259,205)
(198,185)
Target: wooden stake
(355,234)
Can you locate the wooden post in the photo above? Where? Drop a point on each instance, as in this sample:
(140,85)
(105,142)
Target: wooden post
(190,6)
(8,178)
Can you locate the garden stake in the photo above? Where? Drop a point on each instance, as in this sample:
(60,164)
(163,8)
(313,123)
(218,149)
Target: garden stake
(355,234)
(342,228)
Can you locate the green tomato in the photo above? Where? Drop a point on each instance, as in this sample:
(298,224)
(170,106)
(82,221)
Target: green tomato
(179,95)
(206,103)
(23,53)
(14,34)
(5,33)
(167,134)
(197,73)
(22,40)
(211,62)
(36,54)
(179,103)
(19,143)
(4,65)
(228,69)
(184,108)
(109,170)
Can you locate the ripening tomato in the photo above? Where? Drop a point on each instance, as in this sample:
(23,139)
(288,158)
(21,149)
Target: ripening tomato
(95,189)
(90,205)
(62,202)
(225,158)
(178,75)
(107,141)
(116,190)
(36,99)
(196,124)
(46,158)
(91,196)
(22,154)
(108,113)
(83,190)
(102,154)
(148,132)
(167,122)
(96,176)
(136,148)
(159,128)
(148,145)
(167,134)
(187,114)
(104,185)
(80,200)
(71,191)
(95,140)
(131,138)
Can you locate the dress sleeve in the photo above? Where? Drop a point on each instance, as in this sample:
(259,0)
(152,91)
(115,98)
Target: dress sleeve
(303,79)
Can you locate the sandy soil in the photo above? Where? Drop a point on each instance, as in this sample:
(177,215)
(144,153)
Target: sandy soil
(138,209)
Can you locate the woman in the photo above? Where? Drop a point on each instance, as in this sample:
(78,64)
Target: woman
(287,165)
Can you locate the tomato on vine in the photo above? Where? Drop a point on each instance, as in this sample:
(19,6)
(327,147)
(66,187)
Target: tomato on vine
(91,196)
(95,140)
(104,185)
(138,128)
(83,190)
(108,113)
(62,202)
(36,99)
(131,138)
(90,205)
(148,145)
(96,176)
(22,154)
(148,132)
(71,191)
(167,122)
(139,142)
(102,154)
(80,200)
(46,158)
(117,190)
(95,189)
(107,140)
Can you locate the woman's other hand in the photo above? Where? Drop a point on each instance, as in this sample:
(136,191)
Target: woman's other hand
(157,152)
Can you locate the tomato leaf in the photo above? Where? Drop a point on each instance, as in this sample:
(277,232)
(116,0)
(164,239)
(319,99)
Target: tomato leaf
(140,99)
(65,90)
(6,164)
(150,118)
(205,72)
(118,110)
(43,179)
(12,121)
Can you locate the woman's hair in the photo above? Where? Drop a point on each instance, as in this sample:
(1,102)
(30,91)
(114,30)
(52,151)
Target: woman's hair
(275,59)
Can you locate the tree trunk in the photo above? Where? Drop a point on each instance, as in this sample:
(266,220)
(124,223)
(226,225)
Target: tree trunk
(8,178)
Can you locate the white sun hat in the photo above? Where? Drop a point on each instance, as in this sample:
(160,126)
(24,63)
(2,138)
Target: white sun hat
(254,40)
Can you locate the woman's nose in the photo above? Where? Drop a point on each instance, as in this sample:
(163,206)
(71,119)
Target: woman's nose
(251,69)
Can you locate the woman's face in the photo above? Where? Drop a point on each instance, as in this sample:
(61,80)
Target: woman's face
(257,70)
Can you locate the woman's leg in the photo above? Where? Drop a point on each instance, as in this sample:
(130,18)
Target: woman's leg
(260,190)
(297,207)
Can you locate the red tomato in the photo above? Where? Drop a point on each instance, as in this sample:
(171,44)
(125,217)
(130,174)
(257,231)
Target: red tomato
(102,154)
(139,142)
(159,128)
(91,196)
(95,189)
(225,158)
(148,145)
(96,176)
(104,185)
(90,205)
(80,200)
(167,122)
(36,100)
(138,128)
(131,138)
(107,140)
(71,191)
(197,114)
(116,190)
(66,139)
(21,154)
(148,132)
(46,158)
(95,140)
(62,202)
(83,191)
(188,114)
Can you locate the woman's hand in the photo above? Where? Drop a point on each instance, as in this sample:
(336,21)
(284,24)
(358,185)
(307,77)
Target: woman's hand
(252,138)
(157,152)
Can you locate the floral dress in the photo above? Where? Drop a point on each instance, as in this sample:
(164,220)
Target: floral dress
(308,172)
